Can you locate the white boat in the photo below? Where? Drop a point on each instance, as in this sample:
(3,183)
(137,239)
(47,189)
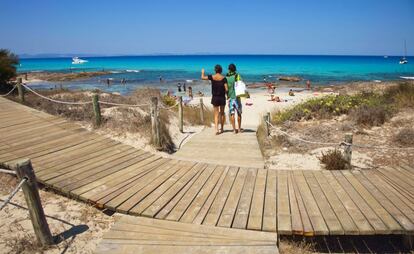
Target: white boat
(404,60)
(77,60)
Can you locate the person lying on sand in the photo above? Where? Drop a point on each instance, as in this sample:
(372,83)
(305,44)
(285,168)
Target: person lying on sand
(218,92)
(291,93)
(274,98)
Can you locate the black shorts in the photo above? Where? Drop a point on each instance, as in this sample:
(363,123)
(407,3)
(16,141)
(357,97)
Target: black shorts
(218,101)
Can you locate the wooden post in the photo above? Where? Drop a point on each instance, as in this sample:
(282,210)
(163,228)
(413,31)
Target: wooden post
(24,169)
(96,109)
(201,111)
(265,119)
(20,89)
(268,116)
(348,149)
(155,123)
(180,114)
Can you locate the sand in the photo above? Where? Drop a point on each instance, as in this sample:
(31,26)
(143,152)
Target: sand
(261,103)
(79,226)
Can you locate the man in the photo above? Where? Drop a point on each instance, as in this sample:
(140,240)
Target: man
(234,101)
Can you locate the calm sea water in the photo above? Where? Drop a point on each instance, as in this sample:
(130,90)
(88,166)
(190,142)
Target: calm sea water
(146,70)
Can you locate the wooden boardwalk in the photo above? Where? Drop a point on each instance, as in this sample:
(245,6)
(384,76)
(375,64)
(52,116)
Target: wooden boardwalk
(144,235)
(93,168)
(241,150)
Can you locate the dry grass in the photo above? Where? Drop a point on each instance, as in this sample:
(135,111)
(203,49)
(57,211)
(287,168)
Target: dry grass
(192,116)
(367,115)
(333,160)
(295,247)
(405,137)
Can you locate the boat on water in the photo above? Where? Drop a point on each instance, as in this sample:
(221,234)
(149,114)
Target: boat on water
(77,60)
(404,60)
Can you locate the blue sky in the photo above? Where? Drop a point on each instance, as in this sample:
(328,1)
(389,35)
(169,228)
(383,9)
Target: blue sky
(342,27)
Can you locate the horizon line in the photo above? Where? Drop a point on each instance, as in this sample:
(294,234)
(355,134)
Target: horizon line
(69,55)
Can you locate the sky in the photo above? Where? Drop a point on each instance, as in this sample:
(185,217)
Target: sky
(130,27)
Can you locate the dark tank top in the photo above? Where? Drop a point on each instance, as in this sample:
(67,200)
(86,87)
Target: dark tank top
(217,87)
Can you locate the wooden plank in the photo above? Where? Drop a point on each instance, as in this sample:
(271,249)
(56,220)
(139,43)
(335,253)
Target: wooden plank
(93,173)
(74,160)
(206,207)
(58,175)
(162,214)
(284,223)
(256,211)
(374,220)
(117,186)
(164,204)
(341,212)
(229,208)
(120,177)
(136,157)
(177,212)
(394,178)
(50,148)
(185,173)
(386,203)
(301,224)
(202,197)
(385,217)
(354,212)
(214,212)
(331,220)
(243,208)
(154,184)
(70,153)
(315,216)
(186,228)
(270,208)
(389,190)
(126,200)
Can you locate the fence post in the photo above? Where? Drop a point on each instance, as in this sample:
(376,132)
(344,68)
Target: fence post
(96,109)
(24,169)
(180,114)
(20,89)
(155,123)
(265,120)
(201,111)
(348,149)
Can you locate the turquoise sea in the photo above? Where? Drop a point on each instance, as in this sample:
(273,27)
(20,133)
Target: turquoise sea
(147,70)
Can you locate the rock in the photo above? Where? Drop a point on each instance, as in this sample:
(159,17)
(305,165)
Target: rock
(289,78)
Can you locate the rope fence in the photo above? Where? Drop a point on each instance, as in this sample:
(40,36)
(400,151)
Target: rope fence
(7,171)
(54,100)
(7,94)
(9,198)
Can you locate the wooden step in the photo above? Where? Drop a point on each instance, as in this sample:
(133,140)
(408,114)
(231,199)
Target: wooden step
(145,235)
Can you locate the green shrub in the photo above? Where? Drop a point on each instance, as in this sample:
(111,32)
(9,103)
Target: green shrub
(333,160)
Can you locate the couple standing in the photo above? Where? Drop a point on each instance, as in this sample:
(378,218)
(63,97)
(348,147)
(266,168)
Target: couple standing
(220,88)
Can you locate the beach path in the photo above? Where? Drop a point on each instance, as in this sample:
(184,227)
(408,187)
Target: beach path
(108,174)
(241,150)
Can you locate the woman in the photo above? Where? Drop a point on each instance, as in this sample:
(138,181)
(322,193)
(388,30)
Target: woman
(218,99)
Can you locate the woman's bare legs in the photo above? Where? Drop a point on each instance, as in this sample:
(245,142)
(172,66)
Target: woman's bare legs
(216,118)
(222,116)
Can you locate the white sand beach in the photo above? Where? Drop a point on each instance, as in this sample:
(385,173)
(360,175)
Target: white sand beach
(260,103)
